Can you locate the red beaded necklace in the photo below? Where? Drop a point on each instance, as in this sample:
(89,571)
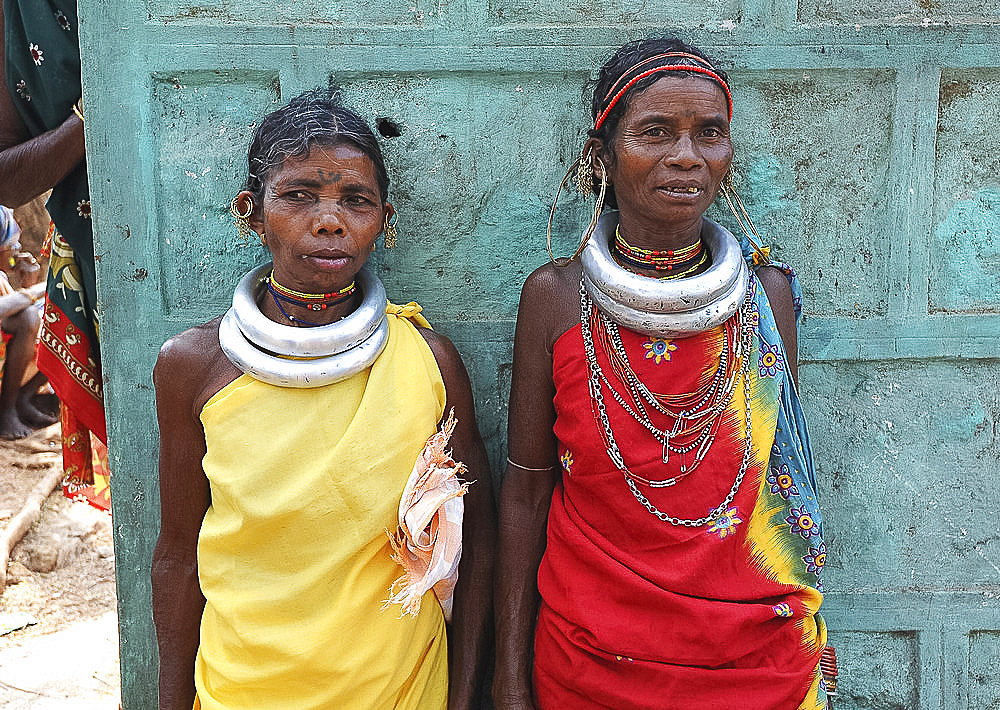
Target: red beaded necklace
(312,301)
(669,263)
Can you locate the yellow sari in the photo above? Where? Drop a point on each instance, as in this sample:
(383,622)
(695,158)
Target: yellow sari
(293,556)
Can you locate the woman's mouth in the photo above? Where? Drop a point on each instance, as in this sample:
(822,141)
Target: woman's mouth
(328,259)
(681,190)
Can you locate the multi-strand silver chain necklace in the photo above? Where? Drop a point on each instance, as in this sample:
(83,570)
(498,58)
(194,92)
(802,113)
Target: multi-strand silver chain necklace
(721,385)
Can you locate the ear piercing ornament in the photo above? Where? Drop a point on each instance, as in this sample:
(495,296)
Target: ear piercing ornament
(241,218)
(390,231)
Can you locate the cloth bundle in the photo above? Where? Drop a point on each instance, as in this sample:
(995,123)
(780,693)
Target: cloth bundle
(428,542)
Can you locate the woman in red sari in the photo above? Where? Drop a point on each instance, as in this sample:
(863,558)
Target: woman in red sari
(661,542)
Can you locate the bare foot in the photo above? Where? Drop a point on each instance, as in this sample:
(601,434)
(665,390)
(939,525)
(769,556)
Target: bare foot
(32,415)
(11,426)
(46,402)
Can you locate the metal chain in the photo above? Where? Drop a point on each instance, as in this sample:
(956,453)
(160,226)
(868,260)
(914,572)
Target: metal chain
(614,453)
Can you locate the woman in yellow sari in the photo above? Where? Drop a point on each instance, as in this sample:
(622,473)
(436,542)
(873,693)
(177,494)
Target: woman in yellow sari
(288,431)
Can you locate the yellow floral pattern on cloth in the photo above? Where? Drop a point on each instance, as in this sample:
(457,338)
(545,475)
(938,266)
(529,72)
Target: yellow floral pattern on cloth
(659,349)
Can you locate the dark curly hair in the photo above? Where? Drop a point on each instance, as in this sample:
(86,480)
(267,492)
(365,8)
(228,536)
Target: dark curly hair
(314,118)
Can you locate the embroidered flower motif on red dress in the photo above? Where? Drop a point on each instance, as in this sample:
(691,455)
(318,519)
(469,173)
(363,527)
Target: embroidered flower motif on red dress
(659,349)
(726,523)
(83,208)
(22,90)
(62,20)
(567,461)
(782,610)
(36,54)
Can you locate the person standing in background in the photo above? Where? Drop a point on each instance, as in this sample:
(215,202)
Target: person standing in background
(41,148)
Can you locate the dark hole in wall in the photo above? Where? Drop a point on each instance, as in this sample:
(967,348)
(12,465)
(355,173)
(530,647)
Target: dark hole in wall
(388,128)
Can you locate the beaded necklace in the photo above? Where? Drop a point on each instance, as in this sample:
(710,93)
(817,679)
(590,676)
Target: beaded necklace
(696,414)
(312,301)
(669,264)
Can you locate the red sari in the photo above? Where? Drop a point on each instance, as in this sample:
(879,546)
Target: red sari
(640,613)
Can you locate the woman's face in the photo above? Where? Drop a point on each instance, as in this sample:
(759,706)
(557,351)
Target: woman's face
(320,216)
(672,150)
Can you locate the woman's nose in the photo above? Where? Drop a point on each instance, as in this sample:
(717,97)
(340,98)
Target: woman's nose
(328,218)
(685,153)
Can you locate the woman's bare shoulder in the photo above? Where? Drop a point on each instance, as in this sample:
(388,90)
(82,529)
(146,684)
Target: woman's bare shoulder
(192,366)
(194,347)
(550,301)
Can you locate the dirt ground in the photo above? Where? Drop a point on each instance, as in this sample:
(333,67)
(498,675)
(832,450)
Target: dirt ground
(62,573)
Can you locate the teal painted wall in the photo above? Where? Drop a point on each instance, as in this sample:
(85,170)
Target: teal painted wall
(869,156)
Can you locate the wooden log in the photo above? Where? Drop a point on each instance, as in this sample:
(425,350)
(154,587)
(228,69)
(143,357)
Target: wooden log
(26,517)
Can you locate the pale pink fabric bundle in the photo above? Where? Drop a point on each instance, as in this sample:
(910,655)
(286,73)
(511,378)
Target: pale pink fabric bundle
(428,542)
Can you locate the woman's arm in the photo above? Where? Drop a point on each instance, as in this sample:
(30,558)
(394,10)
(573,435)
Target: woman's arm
(526,493)
(30,166)
(779,295)
(471,626)
(184,497)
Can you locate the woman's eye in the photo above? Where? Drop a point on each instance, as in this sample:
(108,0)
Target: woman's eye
(358,200)
(656,132)
(712,133)
(297,195)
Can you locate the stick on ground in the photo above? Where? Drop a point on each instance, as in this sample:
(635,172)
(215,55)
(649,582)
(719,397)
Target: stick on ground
(22,522)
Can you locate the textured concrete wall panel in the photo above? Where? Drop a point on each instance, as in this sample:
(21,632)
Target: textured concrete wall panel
(812,157)
(984,682)
(299,12)
(878,671)
(907,456)
(965,242)
(463,201)
(611,12)
(196,119)
(915,12)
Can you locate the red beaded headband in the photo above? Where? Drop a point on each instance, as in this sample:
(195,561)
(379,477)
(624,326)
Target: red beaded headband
(703,68)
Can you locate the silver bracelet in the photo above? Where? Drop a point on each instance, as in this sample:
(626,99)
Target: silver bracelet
(528,468)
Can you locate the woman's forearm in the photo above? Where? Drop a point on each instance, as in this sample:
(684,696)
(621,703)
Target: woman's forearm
(30,168)
(471,627)
(524,508)
(177,608)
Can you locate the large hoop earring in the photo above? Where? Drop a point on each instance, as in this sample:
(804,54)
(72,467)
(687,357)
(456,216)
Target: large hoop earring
(242,219)
(390,231)
(761,254)
(585,163)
